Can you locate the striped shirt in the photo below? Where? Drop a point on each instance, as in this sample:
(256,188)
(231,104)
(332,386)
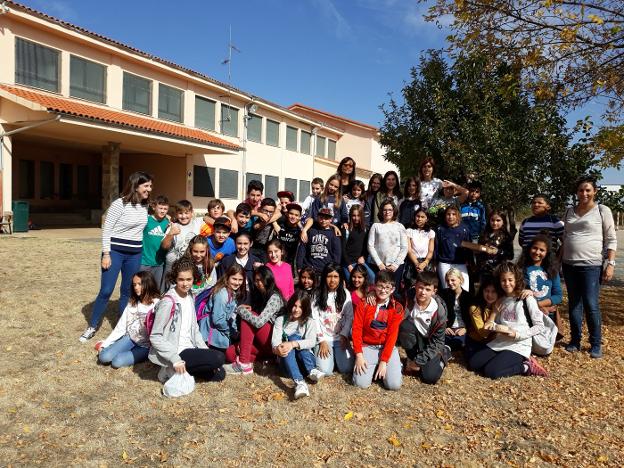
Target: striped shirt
(123,227)
(533,225)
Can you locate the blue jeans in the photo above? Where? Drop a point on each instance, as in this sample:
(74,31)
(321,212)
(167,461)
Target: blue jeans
(369,272)
(123,353)
(583,285)
(296,359)
(455,342)
(126,263)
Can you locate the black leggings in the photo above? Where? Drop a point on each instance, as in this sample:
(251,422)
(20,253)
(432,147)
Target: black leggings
(204,363)
(496,364)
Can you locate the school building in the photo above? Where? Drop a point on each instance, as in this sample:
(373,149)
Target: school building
(79,112)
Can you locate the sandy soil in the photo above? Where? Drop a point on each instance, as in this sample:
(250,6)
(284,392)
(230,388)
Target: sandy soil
(58,407)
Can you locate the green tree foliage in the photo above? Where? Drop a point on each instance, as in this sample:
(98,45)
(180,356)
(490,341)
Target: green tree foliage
(476,120)
(571,51)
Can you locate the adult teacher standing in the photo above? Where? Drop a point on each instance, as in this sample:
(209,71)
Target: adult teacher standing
(122,242)
(589,232)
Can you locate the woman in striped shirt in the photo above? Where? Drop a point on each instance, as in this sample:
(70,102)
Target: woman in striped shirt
(122,242)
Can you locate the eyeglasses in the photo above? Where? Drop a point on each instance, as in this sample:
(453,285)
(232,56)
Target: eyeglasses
(265,211)
(386,288)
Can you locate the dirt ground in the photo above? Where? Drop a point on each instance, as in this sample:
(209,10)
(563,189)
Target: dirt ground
(58,407)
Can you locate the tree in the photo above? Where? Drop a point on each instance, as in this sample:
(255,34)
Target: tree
(569,49)
(476,119)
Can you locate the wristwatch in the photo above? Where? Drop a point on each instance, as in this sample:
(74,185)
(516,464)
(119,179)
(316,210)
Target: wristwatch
(611,262)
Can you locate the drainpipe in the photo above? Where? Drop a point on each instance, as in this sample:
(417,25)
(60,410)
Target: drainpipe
(249,108)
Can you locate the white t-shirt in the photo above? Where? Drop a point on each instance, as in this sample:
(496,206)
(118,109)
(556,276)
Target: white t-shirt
(459,320)
(181,241)
(419,241)
(187,317)
(422,318)
(427,190)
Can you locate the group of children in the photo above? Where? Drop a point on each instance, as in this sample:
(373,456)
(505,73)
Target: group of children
(338,283)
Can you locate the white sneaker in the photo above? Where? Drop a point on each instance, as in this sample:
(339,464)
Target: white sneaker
(165,374)
(316,375)
(87,334)
(301,390)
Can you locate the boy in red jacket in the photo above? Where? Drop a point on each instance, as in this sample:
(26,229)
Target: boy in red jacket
(374,333)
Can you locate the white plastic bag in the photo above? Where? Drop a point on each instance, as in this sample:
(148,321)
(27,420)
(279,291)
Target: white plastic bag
(179,385)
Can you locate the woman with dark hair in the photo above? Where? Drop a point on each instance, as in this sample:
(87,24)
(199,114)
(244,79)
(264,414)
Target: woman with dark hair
(411,203)
(374,185)
(122,245)
(333,312)
(256,324)
(589,231)
(346,172)
(387,241)
(429,185)
(390,188)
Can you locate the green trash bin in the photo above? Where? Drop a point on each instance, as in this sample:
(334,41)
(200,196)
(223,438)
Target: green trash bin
(21,210)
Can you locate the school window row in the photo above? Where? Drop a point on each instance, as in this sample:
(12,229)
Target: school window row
(39,66)
(205,183)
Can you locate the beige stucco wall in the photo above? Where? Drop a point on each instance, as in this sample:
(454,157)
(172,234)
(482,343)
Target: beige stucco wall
(168,172)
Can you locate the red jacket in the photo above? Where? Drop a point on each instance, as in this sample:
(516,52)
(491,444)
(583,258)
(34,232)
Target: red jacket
(383,331)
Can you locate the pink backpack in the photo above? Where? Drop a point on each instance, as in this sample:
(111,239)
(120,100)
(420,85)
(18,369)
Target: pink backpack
(149,318)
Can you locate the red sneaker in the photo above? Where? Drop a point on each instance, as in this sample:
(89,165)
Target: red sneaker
(535,368)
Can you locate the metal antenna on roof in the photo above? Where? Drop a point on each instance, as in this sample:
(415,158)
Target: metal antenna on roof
(228,62)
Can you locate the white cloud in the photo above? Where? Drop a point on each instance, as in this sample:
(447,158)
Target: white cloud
(341,28)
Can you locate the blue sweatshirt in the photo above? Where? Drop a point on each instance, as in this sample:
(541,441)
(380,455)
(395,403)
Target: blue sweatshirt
(538,281)
(473,216)
(448,244)
(323,247)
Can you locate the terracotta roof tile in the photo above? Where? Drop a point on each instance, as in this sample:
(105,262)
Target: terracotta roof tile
(303,107)
(79,109)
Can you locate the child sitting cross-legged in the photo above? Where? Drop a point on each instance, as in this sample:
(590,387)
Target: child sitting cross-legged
(422,331)
(374,333)
(294,337)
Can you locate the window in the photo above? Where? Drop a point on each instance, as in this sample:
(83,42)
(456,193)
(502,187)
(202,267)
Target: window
(137,94)
(291,186)
(305,142)
(228,183)
(36,65)
(254,128)
(204,113)
(87,80)
(66,181)
(291,138)
(229,120)
(252,176)
(320,146)
(46,179)
(26,178)
(83,182)
(272,133)
(304,189)
(203,181)
(331,149)
(169,103)
(271,184)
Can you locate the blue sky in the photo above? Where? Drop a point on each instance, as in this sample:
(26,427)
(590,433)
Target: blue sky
(342,56)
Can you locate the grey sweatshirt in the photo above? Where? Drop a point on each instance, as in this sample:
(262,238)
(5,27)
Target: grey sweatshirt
(307,331)
(271,309)
(586,237)
(166,332)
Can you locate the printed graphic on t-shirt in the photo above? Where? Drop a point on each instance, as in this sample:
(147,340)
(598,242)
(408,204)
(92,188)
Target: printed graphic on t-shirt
(319,249)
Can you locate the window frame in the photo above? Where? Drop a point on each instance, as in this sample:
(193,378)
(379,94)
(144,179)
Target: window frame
(150,95)
(222,120)
(172,88)
(214,112)
(254,118)
(296,130)
(58,64)
(73,57)
(276,124)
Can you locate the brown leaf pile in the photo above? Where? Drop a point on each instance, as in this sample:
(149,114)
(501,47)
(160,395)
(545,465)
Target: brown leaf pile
(58,407)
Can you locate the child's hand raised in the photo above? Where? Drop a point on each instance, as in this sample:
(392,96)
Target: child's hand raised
(174,230)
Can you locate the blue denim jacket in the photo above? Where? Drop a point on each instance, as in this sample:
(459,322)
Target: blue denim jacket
(219,328)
